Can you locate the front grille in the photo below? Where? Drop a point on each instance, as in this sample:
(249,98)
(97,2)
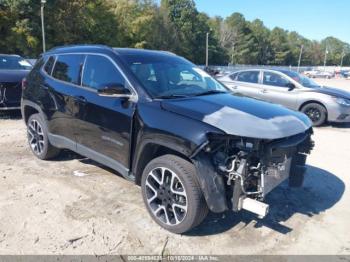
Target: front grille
(10,94)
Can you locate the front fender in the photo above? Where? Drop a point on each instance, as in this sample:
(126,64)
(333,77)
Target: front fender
(183,136)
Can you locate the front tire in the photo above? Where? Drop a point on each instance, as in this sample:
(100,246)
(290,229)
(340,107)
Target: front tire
(38,140)
(316,112)
(172,194)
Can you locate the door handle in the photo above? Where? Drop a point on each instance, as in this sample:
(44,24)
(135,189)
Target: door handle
(234,87)
(264,91)
(80,99)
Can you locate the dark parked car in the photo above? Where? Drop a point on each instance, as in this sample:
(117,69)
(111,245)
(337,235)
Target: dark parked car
(165,124)
(345,74)
(13,69)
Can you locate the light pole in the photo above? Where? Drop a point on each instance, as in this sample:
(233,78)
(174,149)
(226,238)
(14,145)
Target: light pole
(301,52)
(233,52)
(342,58)
(207,50)
(325,60)
(43,2)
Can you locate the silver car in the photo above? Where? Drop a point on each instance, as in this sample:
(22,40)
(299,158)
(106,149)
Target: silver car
(294,91)
(318,74)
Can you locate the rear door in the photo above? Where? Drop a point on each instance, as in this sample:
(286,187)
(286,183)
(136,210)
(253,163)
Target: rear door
(277,89)
(62,85)
(247,83)
(104,123)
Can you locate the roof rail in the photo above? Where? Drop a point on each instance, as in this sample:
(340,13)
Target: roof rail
(57,48)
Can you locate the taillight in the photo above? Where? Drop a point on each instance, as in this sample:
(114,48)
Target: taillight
(24,83)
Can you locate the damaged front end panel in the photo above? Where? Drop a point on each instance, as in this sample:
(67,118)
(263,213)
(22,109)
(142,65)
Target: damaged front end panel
(247,169)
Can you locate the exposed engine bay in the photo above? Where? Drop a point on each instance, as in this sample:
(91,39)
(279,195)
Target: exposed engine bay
(251,168)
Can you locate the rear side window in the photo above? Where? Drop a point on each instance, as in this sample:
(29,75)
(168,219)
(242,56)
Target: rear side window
(249,77)
(49,64)
(68,68)
(100,72)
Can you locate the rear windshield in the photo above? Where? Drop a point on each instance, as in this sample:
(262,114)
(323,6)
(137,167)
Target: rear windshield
(14,63)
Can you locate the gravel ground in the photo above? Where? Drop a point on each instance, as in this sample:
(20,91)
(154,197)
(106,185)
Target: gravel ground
(74,206)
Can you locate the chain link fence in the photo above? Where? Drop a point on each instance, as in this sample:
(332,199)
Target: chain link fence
(233,68)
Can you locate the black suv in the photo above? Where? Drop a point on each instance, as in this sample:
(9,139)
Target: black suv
(165,124)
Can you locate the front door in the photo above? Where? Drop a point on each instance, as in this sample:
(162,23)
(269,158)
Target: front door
(279,90)
(104,123)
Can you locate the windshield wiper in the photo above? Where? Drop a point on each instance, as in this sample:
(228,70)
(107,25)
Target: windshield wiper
(210,92)
(170,96)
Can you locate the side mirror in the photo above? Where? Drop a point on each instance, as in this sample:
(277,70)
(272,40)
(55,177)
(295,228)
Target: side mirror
(291,86)
(114,90)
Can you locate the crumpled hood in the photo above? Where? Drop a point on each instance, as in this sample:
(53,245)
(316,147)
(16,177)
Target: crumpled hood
(12,76)
(241,116)
(330,91)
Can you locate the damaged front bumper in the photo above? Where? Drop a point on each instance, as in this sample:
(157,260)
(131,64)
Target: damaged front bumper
(237,173)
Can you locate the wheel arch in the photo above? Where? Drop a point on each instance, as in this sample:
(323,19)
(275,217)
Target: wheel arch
(211,183)
(28,111)
(29,108)
(312,102)
(151,150)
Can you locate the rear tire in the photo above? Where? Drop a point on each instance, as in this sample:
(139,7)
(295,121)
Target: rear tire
(170,180)
(38,140)
(316,112)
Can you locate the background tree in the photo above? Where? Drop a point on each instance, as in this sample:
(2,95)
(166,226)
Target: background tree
(282,55)
(173,25)
(262,36)
(243,48)
(336,49)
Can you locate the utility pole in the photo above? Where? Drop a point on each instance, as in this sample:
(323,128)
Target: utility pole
(207,51)
(342,58)
(233,51)
(43,2)
(301,52)
(325,59)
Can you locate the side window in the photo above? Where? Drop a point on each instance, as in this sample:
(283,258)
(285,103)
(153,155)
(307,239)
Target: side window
(248,76)
(234,76)
(49,64)
(100,72)
(273,79)
(68,67)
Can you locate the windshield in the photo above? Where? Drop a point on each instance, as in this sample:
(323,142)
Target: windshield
(303,80)
(165,76)
(14,63)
